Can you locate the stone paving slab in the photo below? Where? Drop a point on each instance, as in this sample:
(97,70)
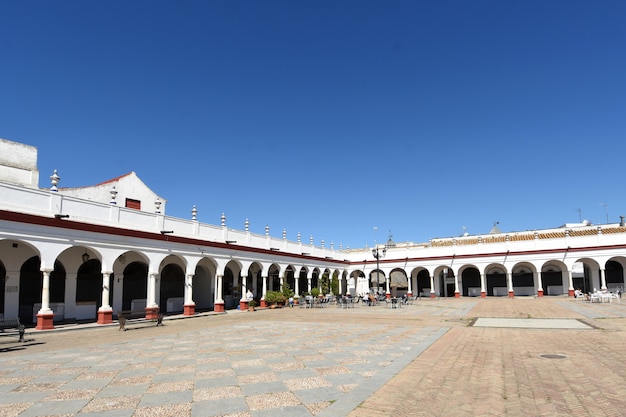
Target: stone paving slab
(531,323)
(256,368)
(425,359)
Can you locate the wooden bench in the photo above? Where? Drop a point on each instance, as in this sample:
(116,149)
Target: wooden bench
(138,316)
(13,326)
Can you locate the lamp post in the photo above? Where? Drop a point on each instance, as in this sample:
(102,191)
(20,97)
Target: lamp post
(378,254)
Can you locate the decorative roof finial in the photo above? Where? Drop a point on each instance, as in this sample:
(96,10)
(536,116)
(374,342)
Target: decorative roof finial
(267,230)
(284,233)
(246,225)
(157,206)
(194,213)
(223,219)
(113,193)
(299,237)
(54,180)
(311,239)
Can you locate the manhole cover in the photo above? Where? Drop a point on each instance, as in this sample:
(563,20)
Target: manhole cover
(552,356)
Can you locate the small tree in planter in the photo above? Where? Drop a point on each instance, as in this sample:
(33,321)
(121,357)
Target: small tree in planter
(315,292)
(274,297)
(251,305)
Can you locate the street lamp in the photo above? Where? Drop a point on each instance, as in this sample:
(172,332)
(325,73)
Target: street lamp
(378,254)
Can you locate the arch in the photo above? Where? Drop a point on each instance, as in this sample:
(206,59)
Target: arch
(134,286)
(398,282)
(523,279)
(446,281)
(554,280)
(204,284)
(172,288)
(614,268)
(495,280)
(378,280)
(303,280)
(31,283)
(470,281)
(89,288)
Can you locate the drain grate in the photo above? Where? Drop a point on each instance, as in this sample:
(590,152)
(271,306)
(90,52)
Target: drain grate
(552,356)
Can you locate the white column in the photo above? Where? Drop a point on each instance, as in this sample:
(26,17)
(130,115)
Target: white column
(432,284)
(151,295)
(264,288)
(570,282)
(410,287)
(387,278)
(296,284)
(189,289)
(602,279)
(456,284)
(45,293)
(482,284)
(218,289)
(509,280)
(309,279)
(244,288)
(106,282)
(539,281)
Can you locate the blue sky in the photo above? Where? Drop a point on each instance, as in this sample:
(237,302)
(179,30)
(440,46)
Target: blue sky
(330,118)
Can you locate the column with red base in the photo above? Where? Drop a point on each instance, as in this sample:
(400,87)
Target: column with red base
(189,309)
(105,316)
(45,316)
(457,294)
(105,312)
(243,305)
(540,292)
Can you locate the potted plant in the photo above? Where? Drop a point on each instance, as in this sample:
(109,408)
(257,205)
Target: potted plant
(315,292)
(274,297)
(251,305)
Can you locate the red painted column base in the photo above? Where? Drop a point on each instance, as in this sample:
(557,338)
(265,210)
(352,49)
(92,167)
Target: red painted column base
(409,294)
(263,303)
(243,305)
(105,317)
(570,293)
(189,309)
(219,307)
(152,313)
(45,321)
(483,294)
(432,295)
(511,294)
(539,293)
(457,294)
(388,295)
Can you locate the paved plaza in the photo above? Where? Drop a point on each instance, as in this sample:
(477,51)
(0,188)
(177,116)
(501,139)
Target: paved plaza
(550,356)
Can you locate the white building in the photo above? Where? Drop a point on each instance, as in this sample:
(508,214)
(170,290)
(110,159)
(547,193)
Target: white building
(86,253)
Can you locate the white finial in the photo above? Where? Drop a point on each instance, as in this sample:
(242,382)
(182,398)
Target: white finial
(284,233)
(223,219)
(246,225)
(340,246)
(54,180)
(322,242)
(267,230)
(299,237)
(332,245)
(311,239)
(194,213)
(157,206)
(113,193)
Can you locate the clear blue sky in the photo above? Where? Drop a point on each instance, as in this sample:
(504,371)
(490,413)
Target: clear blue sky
(330,117)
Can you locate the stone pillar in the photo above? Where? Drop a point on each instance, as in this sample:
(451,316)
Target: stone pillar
(296,284)
(152,308)
(570,283)
(457,293)
(539,284)
(483,292)
(189,305)
(509,280)
(105,312)
(45,316)
(309,279)
(432,286)
(602,279)
(263,302)
(243,302)
(219,300)
(409,292)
